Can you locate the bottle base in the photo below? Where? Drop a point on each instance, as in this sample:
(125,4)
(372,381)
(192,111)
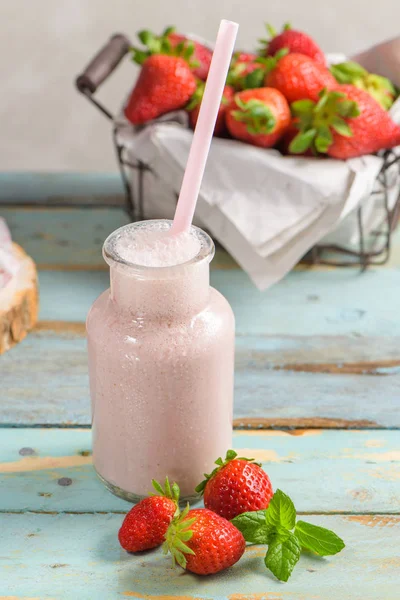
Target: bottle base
(135,498)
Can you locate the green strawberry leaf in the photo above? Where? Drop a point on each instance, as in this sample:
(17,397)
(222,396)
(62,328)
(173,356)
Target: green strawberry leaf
(282,556)
(301,107)
(168,30)
(341,127)
(254,527)
(348,72)
(302,141)
(318,539)
(255,79)
(281,511)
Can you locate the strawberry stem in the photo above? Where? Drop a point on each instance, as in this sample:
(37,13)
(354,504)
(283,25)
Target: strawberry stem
(221,463)
(256,115)
(179,532)
(317,121)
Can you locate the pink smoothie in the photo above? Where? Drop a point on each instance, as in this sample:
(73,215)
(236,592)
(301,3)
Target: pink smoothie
(161,361)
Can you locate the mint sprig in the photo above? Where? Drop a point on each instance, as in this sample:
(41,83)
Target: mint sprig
(276,527)
(318,539)
(282,555)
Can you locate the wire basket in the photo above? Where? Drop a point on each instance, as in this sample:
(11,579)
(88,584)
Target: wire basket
(371,249)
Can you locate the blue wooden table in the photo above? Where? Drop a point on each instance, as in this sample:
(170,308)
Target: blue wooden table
(317,401)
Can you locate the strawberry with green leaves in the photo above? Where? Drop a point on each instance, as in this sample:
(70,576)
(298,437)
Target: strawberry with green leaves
(165,83)
(172,43)
(297,76)
(203,542)
(194,108)
(345,123)
(380,88)
(146,524)
(277,528)
(235,486)
(294,41)
(245,71)
(258,116)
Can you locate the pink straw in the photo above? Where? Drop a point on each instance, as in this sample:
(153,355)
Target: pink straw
(202,137)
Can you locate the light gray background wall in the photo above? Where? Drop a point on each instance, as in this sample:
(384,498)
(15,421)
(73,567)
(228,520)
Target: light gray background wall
(47,126)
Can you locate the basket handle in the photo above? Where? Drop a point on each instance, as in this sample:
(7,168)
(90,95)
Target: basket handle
(103,64)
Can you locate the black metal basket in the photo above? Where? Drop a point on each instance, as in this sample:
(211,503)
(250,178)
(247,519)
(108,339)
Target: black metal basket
(373,249)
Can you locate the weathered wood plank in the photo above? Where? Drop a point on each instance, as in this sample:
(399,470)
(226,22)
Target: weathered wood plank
(72,238)
(52,389)
(78,556)
(304,303)
(64,237)
(322,470)
(61,189)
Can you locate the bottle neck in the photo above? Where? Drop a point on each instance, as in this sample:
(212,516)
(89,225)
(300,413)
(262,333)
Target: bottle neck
(175,293)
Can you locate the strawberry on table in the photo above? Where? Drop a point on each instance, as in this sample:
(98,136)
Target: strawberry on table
(237,485)
(345,123)
(259,117)
(165,83)
(146,524)
(380,88)
(172,43)
(294,41)
(203,542)
(194,108)
(297,76)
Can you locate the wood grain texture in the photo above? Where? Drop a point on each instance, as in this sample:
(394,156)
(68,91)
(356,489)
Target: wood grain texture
(305,303)
(322,471)
(60,189)
(53,387)
(18,302)
(65,557)
(71,238)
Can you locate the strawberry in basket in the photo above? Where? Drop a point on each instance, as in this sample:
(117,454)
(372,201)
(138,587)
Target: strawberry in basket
(165,83)
(259,116)
(380,88)
(295,41)
(194,107)
(245,72)
(345,123)
(170,42)
(297,76)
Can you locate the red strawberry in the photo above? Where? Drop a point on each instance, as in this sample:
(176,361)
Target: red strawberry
(294,41)
(236,486)
(194,108)
(165,83)
(259,117)
(345,123)
(298,77)
(174,44)
(244,64)
(146,524)
(203,542)
(202,55)
(380,88)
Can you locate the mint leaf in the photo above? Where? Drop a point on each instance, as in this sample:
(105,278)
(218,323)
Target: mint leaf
(254,527)
(318,539)
(282,556)
(281,511)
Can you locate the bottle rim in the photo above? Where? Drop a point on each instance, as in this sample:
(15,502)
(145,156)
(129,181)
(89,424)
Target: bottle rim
(113,258)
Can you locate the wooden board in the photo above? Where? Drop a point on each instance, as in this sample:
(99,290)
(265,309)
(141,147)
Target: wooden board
(305,303)
(323,471)
(280,381)
(18,302)
(69,557)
